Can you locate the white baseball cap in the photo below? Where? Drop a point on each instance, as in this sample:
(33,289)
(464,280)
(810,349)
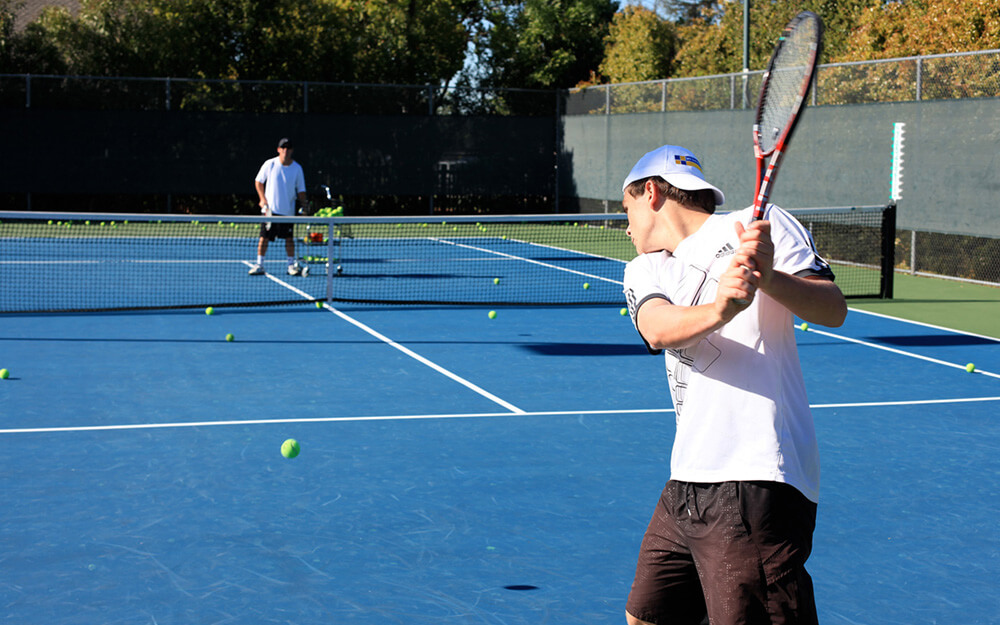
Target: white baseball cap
(676,165)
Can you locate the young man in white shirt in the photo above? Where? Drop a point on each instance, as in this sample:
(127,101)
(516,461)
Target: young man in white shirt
(278,182)
(732,530)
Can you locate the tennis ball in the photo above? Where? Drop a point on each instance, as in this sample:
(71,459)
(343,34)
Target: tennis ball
(804,326)
(319,304)
(230,338)
(290,448)
(586,285)
(969,367)
(4,374)
(496,280)
(492,314)
(623,311)
(209,311)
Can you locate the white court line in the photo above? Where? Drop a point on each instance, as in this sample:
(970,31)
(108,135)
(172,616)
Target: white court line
(900,352)
(461,415)
(409,352)
(532,261)
(926,325)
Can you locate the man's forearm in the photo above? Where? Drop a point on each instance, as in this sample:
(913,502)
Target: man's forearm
(814,299)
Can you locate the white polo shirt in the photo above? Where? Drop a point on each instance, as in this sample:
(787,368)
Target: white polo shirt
(281,185)
(740,400)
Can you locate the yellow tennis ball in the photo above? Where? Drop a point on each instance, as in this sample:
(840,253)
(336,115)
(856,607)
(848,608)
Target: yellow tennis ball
(209,311)
(290,448)
(492,314)
(4,374)
(319,304)
(496,280)
(230,338)
(969,367)
(623,311)
(804,326)
(586,285)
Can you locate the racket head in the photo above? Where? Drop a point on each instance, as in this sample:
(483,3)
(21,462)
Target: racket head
(786,82)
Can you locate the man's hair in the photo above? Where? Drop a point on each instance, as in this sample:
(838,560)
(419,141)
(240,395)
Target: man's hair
(703,198)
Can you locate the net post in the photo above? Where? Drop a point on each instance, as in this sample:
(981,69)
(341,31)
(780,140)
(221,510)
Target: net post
(330,225)
(888,250)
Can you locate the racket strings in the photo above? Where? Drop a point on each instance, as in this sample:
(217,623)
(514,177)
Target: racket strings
(790,74)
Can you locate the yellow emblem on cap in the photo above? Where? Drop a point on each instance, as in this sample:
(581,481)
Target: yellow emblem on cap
(690,161)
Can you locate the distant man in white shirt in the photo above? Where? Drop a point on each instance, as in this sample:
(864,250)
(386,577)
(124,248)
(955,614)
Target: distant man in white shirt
(731,533)
(278,183)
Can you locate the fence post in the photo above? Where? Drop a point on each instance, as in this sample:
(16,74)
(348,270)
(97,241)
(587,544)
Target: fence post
(663,96)
(305,96)
(920,77)
(27,91)
(558,150)
(168,93)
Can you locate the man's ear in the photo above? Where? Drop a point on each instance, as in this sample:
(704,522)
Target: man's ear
(651,192)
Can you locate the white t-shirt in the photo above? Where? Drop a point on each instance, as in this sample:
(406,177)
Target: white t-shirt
(740,400)
(281,184)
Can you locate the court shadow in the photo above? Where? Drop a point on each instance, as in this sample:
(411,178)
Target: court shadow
(585,349)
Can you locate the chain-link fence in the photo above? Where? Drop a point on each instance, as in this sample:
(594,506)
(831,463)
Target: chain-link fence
(934,77)
(243,96)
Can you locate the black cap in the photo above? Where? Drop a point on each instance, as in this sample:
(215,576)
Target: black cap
(285,143)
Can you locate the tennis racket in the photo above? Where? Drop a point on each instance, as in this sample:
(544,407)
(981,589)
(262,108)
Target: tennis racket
(267,213)
(783,91)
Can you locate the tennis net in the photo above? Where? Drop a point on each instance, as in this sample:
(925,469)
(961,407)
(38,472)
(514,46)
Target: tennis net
(78,262)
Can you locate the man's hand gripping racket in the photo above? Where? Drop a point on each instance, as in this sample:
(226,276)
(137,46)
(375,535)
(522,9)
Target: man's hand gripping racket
(783,93)
(266,209)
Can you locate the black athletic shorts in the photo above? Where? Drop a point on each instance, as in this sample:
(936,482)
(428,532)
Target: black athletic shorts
(277,231)
(734,551)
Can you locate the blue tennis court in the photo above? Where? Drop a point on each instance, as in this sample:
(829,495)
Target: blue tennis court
(454,468)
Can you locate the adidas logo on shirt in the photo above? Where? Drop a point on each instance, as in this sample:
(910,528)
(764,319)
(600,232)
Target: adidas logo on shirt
(727,250)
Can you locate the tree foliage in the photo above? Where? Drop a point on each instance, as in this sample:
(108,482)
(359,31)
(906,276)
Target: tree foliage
(541,44)
(713,42)
(528,44)
(855,30)
(921,27)
(404,41)
(639,46)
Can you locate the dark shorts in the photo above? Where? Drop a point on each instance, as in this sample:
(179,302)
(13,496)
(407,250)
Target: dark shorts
(277,231)
(734,551)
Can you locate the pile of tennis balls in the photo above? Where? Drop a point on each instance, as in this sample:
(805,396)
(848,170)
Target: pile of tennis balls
(329,211)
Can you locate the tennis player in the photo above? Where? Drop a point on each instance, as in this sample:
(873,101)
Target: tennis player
(278,182)
(732,530)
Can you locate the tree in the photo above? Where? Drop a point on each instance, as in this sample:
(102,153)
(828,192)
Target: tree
(541,44)
(403,41)
(639,46)
(713,42)
(410,41)
(921,27)
(684,11)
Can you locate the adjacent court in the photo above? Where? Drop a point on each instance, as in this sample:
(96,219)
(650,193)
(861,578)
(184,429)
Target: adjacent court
(454,468)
